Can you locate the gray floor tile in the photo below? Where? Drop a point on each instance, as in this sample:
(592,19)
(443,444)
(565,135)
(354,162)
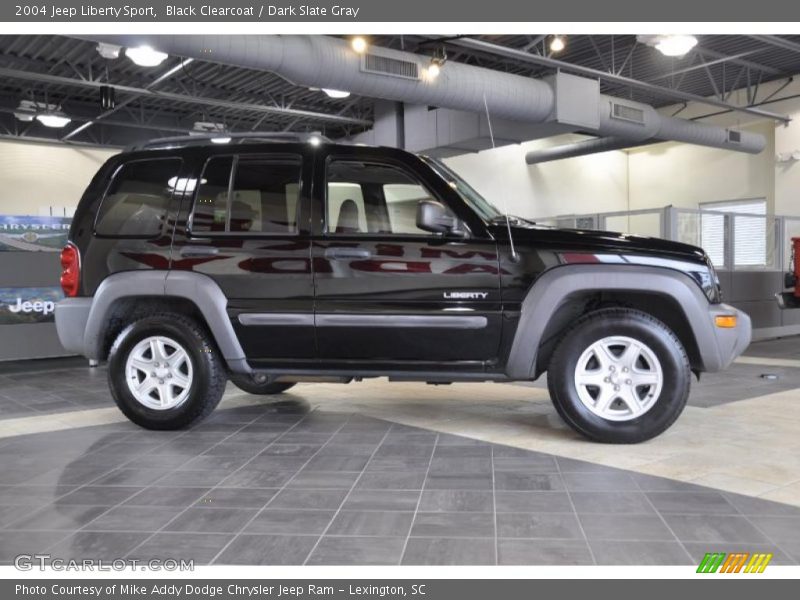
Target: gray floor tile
(134,518)
(98,544)
(623,503)
(625,527)
(451,525)
(758,506)
(779,529)
(167,496)
(398,463)
(306,522)
(211,520)
(308,499)
(323,480)
(357,551)
(533,464)
(402,500)
(99,495)
(473,451)
(691,503)
(9,514)
(267,550)
(336,463)
(236,498)
(14,543)
(378,523)
(639,553)
(538,502)
(714,528)
(516,481)
(35,495)
(200,547)
(456,501)
(253,478)
(131,477)
(468,465)
(449,551)
(459,482)
(599,482)
(543,552)
(193,478)
(538,525)
(300,450)
(66,517)
(651,483)
(391,480)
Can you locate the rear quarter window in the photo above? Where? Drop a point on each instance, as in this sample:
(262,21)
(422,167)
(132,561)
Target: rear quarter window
(136,202)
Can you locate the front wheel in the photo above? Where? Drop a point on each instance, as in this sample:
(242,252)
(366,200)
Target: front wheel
(619,376)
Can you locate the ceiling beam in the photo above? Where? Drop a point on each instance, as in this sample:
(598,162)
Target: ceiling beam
(199,100)
(475,44)
(778,41)
(756,66)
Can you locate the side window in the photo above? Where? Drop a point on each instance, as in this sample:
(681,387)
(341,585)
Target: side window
(248,195)
(136,203)
(372,198)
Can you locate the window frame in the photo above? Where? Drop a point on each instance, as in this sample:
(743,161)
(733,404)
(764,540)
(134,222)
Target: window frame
(231,181)
(384,162)
(110,184)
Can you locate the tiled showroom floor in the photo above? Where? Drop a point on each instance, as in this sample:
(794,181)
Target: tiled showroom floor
(398,473)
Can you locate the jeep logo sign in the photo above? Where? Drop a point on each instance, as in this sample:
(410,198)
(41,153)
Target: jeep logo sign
(28,305)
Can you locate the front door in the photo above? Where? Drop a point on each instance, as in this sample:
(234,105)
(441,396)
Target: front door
(386,289)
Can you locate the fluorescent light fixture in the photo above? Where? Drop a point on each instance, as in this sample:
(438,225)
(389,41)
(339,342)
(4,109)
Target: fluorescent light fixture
(557,44)
(145,56)
(675,45)
(336,93)
(220,140)
(53,120)
(359,44)
(108,51)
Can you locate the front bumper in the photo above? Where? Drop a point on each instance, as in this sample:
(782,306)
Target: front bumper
(729,342)
(72,315)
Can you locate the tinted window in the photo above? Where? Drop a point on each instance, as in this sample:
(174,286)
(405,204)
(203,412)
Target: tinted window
(136,203)
(372,198)
(261,197)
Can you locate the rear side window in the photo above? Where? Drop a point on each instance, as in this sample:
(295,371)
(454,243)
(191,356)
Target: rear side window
(248,195)
(136,202)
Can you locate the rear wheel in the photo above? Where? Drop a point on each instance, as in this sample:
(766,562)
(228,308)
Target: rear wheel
(619,376)
(164,372)
(251,385)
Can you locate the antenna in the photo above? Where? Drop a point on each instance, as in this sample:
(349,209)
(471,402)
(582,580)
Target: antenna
(514,255)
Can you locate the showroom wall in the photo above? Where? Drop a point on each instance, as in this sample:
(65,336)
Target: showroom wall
(37,177)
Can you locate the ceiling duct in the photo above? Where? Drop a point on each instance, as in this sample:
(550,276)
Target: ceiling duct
(328,62)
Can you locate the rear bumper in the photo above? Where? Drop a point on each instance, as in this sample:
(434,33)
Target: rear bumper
(729,342)
(72,315)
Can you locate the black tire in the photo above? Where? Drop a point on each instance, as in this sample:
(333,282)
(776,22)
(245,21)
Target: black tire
(247,384)
(641,327)
(207,384)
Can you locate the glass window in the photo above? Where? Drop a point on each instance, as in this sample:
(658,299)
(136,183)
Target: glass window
(262,197)
(136,203)
(368,198)
(750,237)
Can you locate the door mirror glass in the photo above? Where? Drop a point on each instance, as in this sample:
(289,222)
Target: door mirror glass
(434,216)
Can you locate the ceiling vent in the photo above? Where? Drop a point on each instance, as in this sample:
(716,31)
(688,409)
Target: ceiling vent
(631,114)
(393,67)
(734,137)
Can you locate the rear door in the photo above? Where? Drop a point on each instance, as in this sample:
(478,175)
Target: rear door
(385,289)
(247,228)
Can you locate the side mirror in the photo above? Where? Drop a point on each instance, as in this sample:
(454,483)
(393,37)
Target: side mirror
(434,216)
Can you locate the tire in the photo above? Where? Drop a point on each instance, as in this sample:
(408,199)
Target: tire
(247,384)
(627,405)
(183,389)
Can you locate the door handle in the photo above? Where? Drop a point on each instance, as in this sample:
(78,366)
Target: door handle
(198,251)
(345,253)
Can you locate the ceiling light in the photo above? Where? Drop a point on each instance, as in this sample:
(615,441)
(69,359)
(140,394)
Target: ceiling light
(220,140)
(108,51)
(557,44)
(315,140)
(336,93)
(675,45)
(359,44)
(145,56)
(433,70)
(54,120)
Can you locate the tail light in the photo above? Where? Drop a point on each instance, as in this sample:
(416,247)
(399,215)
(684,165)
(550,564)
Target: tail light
(70,270)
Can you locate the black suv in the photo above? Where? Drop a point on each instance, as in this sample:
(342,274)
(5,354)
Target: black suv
(273,261)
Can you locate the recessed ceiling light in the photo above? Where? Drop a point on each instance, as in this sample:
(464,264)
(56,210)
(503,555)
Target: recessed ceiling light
(53,120)
(675,45)
(145,56)
(336,93)
(108,51)
(359,44)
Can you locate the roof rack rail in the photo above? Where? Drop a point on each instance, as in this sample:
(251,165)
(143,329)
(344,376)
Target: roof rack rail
(205,137)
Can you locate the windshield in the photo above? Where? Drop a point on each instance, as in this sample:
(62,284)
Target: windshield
(475,201)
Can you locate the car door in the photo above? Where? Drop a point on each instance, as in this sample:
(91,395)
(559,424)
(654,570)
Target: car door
(247,228)
(385,289)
